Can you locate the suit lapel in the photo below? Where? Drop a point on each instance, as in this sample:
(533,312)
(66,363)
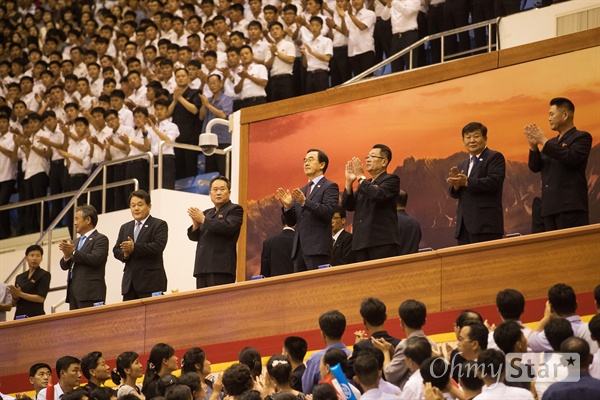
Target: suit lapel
(480,161)
(88,241)
(316,188)
(143,229)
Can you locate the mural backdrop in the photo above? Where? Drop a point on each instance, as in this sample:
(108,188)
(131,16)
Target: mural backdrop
(423,126)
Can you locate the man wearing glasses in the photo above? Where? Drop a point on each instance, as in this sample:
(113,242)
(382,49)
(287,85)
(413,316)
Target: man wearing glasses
(375,226)
(216,230)
(311,208)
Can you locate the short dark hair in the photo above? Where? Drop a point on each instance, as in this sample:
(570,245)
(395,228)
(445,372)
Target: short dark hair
(220,178)
(296,347)
(316,19)
(63,364)
(478,332)
(77,394)
(467,375)
(562,298)
(118,93)
(563,102)
(335,356)
(402,198)
(101,393)
(340,210)
(275,23)
(413,313)
(418,349)
(36,367)
(366,369)
(237,379)
(506,336)
(556,331)
(90,360)
(324,391)
(165,382)
(437,371)
(321,157)
(191,380)
(474,126)
(34,247)
(332,324)
(597,295)
(594,327)
(385,151)
(373,311)
(510,303)
(178,392)
(491,362)
(142,194)
(255,24)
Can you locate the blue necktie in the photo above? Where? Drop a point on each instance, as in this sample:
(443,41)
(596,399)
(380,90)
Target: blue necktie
(81,242)
(136,231)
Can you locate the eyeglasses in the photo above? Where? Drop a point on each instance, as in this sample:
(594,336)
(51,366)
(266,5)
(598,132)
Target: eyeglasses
(369,156)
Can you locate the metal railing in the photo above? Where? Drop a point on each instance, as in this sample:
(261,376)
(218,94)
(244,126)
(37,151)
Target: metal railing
(85,189)
(409,50)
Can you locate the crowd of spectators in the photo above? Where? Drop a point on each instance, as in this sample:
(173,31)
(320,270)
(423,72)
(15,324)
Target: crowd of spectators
(379,366)
(82,82)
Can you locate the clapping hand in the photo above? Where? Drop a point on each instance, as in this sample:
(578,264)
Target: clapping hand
(285,197)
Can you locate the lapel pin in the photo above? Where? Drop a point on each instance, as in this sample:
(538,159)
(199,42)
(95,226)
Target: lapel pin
(564,144)
(220,216)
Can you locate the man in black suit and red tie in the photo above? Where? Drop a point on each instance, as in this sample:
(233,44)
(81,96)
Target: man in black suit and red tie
(562,160)
(85,260)
(216,230)
(375,232)
(477,184)
(276,256)
(310,208)
(342,239)
(140,247)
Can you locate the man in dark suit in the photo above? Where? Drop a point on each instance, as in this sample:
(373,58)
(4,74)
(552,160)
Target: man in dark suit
(85,260)
(140,247)
(479,215)
(375,224)
(410,230)
(310,209)
(216,230)
(276,256)
(342,240)
(562,160)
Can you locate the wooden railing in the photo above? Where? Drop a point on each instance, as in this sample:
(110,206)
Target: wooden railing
(446,279)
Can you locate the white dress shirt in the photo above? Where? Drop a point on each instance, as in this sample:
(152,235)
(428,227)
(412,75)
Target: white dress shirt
(166,127)
(8,169)
(80,149)
(320,45)
(34,164)
(403,14)
(279,66)
(251,89)
(501,391)
(360,42)
(126,116)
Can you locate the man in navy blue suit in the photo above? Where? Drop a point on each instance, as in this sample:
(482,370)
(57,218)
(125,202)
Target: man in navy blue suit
(562,160)
(140,246)
(477,184)
(311,208)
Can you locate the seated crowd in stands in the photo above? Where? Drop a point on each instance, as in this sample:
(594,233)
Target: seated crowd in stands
(378,367)
(82,83)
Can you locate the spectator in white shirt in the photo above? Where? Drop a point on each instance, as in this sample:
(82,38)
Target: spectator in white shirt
(403,14)
(164,130)
(594,326)
(281,63)
(316,53)
(491,369)
(339,66)
(238,22)
(359,26)
(86,100)
(8,173)
(417,349)
(260,47)
(138,97)
(254,79)
(117,101)
(511,305)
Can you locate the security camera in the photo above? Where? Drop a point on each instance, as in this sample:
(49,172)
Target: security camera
(208,143)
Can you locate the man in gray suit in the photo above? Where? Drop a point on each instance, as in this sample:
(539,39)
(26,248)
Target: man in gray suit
(85,260)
